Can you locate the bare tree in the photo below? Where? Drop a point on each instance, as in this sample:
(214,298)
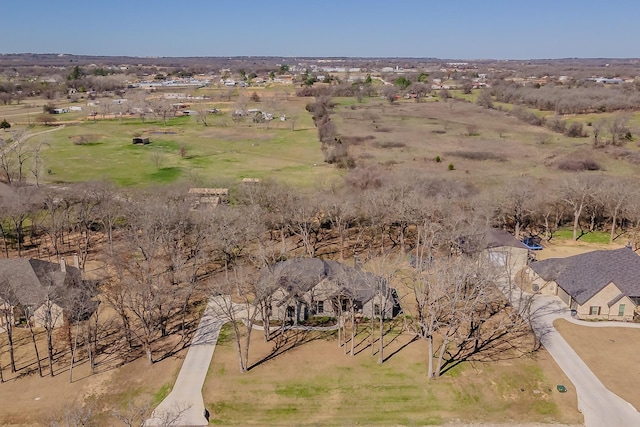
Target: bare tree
(9,300)
(236,312)
(517,204)
(36,165)
(576,191)
(618,194)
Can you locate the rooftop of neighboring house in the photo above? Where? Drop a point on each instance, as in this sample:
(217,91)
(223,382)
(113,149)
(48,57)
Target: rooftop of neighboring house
(582,276)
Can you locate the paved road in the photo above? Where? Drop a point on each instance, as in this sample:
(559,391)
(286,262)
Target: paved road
(184,406)
(599,406)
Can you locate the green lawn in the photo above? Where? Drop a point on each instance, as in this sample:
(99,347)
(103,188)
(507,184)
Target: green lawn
(182,149)
(588,236)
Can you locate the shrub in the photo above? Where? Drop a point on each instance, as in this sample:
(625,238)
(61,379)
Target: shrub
(576,165)
(4,124)
(575,130)
(356,140)
(389,144)
(476,155)
(438,159)
(451,167)
(556,124)
(363,178)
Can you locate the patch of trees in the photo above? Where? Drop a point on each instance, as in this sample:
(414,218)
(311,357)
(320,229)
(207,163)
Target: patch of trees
(334,149)
(573,100)
(163,257)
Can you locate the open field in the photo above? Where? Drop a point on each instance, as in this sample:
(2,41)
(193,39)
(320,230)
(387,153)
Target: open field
(611,353)
(316,384)
(484,146)
(480,145)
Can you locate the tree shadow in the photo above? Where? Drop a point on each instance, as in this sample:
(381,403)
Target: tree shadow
(291,339)
(411,341)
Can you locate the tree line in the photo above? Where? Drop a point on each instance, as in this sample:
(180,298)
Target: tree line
(161,258)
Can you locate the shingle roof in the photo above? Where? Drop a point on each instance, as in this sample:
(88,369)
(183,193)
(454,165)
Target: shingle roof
(497,238)
(32,280)
(491,238)
(583,276)
(299,275)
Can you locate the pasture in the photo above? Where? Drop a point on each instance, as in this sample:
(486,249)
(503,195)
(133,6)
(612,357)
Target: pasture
(442,137)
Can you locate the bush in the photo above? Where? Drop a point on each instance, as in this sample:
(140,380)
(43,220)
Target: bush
(389,144)
(556,124)
(476,155)
(575,130)
(451,167)
(577,165)
(4,124)
(438,159)
(363,178)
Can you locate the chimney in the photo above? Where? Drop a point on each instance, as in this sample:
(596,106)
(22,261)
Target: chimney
(63,265)
(76,262)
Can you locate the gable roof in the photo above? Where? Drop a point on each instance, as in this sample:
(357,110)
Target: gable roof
(498,238)
(583,276)
(298,276)
(491,238)
(33,281)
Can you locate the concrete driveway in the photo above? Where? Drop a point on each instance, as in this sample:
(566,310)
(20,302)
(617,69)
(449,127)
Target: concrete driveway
(599,405)
(184,406)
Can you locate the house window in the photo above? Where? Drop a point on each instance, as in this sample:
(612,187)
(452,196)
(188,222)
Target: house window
(594,310)
(320,307)
(376,309)
(621,310)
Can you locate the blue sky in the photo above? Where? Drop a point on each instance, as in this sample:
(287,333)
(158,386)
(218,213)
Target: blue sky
(459,29)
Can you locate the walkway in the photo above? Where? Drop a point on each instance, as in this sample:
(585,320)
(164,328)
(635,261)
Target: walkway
(184,406)
(599,406)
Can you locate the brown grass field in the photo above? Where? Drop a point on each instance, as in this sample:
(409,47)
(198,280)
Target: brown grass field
(316,384)
(611,353)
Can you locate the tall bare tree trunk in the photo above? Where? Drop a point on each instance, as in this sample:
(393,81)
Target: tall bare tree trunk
(445,342)
(50,349)
(353,330)
(73,354)
(381,343)
(35,347)
(430,355)
(9,327)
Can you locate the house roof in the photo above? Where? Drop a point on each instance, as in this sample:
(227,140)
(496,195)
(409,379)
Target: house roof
(583,276)
(32,281)
(298,276)
(496,237)
(491,238)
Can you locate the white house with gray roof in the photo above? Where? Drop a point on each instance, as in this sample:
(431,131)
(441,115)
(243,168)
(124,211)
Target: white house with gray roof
(601,284)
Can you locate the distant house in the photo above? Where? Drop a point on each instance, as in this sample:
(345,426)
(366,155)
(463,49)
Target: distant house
(59,111)
(499,248)
(251,180)
(601,284)
(140,140)
(208,197)
(42,292)
(306,287)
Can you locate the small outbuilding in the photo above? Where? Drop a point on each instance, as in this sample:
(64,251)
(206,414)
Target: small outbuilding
(140,140)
